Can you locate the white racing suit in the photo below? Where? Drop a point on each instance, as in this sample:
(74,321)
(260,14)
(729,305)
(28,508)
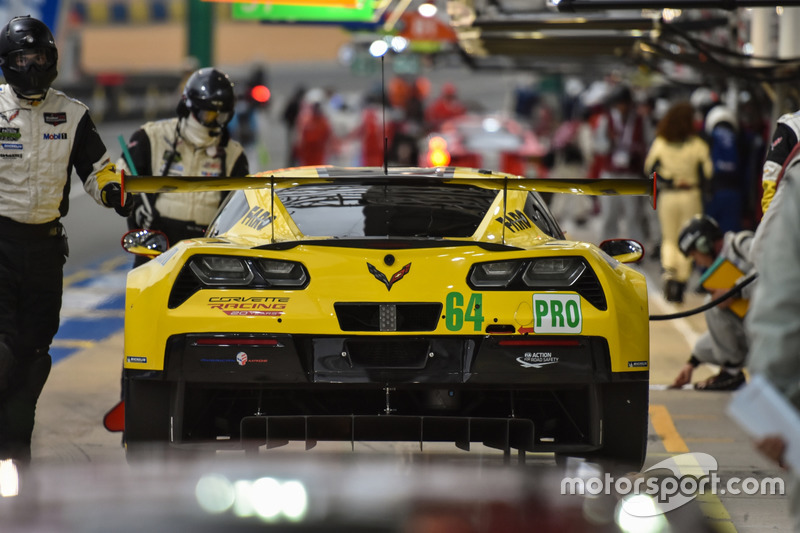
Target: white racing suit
(773,320)
(783,151)
(726,342)
(39,147)
(784,139)
(40,144)
(157,149)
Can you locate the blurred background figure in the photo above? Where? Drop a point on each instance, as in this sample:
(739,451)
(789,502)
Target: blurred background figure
(370,130)
(526,98)
(620,146)
(725,196)
(753,122)
(314,139)
(289,118)
(593,148)
(703,99)
(407,99)
(404,151)
(445,107)
(252,98)
(682,163)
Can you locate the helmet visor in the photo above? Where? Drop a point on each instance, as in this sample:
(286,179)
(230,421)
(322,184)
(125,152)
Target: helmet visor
(23,60)
(212,118)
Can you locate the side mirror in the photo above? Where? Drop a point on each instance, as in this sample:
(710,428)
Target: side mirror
(623,250)
(148,243)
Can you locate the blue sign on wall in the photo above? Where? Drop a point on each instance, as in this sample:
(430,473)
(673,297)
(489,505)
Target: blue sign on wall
(45,10)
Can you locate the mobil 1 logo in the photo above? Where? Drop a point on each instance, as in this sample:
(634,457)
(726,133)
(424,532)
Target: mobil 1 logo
(557,313)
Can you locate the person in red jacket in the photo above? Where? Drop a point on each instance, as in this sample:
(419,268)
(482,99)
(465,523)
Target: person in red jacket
(315,137)
(444,108)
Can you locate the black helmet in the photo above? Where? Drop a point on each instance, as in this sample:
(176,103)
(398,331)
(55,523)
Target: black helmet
(209,96)
(699,233)
(28,56)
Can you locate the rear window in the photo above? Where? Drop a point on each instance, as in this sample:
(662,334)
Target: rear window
(387,210)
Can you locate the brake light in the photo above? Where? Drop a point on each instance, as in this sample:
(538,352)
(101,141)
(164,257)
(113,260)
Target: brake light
(233,341)
(526,342)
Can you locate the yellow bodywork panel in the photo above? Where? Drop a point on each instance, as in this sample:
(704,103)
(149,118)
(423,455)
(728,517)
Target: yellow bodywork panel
(341,274)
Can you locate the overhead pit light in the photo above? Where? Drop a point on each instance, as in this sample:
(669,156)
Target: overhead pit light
(378,48)
(399,43)
(427,10)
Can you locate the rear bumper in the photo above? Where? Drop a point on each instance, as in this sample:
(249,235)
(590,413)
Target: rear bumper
(275,359)
(536,394)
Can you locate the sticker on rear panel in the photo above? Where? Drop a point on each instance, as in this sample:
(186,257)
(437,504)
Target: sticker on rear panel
(557,313)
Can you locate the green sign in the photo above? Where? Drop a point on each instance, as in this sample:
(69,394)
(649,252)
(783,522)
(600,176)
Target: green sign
(291,13)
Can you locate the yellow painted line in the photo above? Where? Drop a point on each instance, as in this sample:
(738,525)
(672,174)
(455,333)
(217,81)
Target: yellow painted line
(666,430)
(72,343)
(709,439)
(93,313)
(710,505)
(104,268)
(695,417)
(722,527)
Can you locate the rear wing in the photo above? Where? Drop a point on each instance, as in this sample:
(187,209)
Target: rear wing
(295,176)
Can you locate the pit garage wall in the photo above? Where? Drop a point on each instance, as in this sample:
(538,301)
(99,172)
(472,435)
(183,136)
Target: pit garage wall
(163,47)
(126,59)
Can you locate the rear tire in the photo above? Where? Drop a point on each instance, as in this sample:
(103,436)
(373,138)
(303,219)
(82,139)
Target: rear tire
(147,419)
(149,407)
(624,412)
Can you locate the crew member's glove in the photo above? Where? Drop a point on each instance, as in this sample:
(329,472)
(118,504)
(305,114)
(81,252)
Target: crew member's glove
(109,183)
(111,196)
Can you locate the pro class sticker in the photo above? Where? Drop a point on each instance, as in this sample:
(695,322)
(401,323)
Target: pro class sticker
(557,313)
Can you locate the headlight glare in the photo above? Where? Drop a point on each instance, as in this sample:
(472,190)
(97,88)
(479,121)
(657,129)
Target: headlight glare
(221,270)
(497,274)
(553,272)
(283,273)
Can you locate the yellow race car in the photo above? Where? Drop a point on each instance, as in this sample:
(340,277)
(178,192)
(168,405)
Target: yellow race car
(374,304)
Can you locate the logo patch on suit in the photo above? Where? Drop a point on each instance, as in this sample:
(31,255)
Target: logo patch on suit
(8,116)
(10,134)
(55,119)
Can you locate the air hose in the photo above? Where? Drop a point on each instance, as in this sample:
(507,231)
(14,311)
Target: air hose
(689,312)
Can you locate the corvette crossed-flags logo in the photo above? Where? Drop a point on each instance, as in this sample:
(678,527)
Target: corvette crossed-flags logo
(397,276)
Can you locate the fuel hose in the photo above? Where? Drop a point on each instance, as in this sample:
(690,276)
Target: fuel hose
(689,312)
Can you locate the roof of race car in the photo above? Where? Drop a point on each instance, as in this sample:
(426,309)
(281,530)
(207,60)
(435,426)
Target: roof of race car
(289,177)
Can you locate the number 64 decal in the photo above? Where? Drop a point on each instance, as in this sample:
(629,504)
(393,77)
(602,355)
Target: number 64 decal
(456,313)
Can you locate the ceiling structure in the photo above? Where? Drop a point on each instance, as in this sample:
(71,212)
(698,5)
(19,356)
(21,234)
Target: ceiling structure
(590,36)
